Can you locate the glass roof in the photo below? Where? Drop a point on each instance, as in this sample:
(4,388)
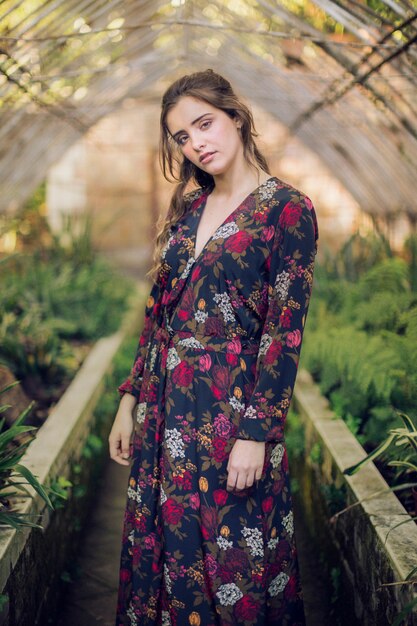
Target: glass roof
(339,75)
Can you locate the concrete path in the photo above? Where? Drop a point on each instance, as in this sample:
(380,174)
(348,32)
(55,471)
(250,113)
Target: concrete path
(91,600)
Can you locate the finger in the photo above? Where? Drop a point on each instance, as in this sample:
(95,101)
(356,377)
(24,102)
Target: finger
(231,480)
(241,482)
(250,479)
(125,446)
(115,452)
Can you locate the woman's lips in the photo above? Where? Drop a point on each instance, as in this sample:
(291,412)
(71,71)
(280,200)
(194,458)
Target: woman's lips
(208,157)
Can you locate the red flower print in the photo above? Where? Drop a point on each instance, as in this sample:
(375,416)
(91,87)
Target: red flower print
(172,511)
(219,453)
(136,556)
(220,496)
(232,359)
(182,375)
(125,575)
(187,301)
(237,560)
(283,550)
(267,504)
(221,377)
(209,521)
(290,590)
(210,565)
(149,541)
(294,338)
(214,326)
(183,480)
(308,203)
(238,242)
(275,433)
(246,608)
(210,257)
(225,574)
(285,318)
(268,233)
(195,274)
(290,214)
(273,352)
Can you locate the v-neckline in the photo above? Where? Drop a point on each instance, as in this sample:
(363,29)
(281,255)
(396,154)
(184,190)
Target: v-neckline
(200,210)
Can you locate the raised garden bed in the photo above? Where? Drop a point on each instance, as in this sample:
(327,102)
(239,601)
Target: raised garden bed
(364,562)
(67,448)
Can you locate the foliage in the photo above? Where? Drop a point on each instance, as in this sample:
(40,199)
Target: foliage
(14,477)
(362,329)
(52,298)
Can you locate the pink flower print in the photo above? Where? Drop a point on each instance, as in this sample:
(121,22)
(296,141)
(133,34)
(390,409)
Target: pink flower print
(222,426)
(195,500)
(294,338)
(205,362)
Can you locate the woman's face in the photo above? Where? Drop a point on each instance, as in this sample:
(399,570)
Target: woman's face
(200,128)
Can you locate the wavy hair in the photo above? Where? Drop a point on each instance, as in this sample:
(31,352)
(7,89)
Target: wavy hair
(210,87)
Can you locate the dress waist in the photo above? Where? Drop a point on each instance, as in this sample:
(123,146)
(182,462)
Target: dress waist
(201,341)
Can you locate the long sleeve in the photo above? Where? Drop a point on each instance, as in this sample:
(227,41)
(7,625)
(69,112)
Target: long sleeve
(290,285)
(133,382)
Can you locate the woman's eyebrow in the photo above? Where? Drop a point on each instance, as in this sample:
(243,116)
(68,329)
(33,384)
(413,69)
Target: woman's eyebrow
(192,123)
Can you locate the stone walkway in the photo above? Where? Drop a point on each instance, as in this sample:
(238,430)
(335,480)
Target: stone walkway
(91,599)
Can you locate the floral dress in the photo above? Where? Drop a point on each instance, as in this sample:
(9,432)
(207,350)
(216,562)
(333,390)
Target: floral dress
(217,361)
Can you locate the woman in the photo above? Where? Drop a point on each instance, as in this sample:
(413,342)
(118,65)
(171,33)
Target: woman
(208,533)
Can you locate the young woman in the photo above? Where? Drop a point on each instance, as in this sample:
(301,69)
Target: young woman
(208,532)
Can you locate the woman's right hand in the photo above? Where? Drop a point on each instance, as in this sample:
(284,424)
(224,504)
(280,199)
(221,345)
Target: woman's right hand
(121,433)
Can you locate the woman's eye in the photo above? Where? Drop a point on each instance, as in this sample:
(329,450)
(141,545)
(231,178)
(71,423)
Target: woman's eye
(180,140)
(206,122)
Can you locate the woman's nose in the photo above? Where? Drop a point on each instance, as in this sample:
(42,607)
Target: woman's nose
(198,143)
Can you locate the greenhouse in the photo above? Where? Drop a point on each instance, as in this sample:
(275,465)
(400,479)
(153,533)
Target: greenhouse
(332,87)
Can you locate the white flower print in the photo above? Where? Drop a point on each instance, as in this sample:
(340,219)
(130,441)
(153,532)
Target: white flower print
(174,442)
(223,301)
(272,543)
(134,494)
(200,316)
(226,230)
(282,284)
(288,523)
(266,190)
(278,583)
(141,412)
(234,402)
(167,245)
(229,593)
(223,543)
(131,615)
(153,357)
(172,359)
(131,537)
(166,619)
(254,540)
(187,268)
(277,454)
(265,342)
(162,496)
(167,579)
(250,413)
(191,342)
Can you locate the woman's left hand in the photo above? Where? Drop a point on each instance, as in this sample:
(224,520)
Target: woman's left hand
(246,461)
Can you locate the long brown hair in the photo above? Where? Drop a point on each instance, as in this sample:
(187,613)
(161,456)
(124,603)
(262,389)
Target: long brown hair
(210,87)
